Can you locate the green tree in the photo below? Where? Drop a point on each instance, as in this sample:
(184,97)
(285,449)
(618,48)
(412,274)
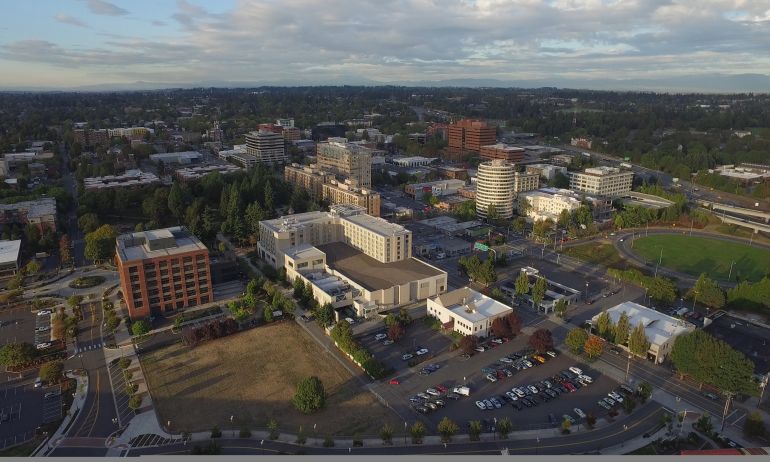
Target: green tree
(310,395)
(560,308)
(447,429)
(51,371)
(708,292)
(754,427)
(504,427)
(575,339)
(644,391)
(474,430)
(33,267)
(621,329)
(629,404)
(604,326)
(267,314)
(140,327)
(100,244)
(522,284)
(417,430)
(273,429)
(325,315)
(135,402)
(88,223)
(637,342)
(538,291)
(518,224)
(16,354)
(386,433)
(74,301)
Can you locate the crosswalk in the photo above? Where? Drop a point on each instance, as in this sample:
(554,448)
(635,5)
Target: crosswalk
(93,346)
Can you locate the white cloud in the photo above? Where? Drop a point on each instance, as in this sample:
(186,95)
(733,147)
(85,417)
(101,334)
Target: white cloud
(105,8)
(67,19)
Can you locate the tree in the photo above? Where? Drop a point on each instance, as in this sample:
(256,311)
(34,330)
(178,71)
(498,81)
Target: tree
(621,329)
(492,213)
(590,420)
(560,308)
(604,326)
(267,314)
(88,223)
(447,429)
(404,317)
(100,244)
(637,342)
(51,371)
(74,301)
(629,404)
(565,426)
(522,284)
(396,332)
(514,323)
(594,347)
(325,315)
(140,327)
(272,428)
(310,395)
(135,402)
(541,340)
(16,282)
(644,390)
(500,328)
(504,427)
(417,430)
(390,320)
(468,344)
(538,291)
(386,433)
(708,292)
(576,339)
(704,424)
(33,267)
(474,430)
(754,427)
(16,354)
(518,224)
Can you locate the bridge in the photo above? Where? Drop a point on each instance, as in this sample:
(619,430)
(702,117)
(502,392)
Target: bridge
(765,216)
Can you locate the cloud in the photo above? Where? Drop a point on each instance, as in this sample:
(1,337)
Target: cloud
(105,8)
(67,19)
(409,40)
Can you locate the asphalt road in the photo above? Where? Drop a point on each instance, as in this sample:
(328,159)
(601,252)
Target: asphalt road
(646,419)
(71,222)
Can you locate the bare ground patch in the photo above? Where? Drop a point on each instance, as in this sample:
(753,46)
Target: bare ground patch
(252,377)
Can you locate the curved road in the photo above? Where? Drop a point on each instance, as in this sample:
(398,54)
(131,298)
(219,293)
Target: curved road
(646,419)
(623,242)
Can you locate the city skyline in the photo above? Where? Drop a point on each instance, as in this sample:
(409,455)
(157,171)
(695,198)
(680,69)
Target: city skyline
(662,45)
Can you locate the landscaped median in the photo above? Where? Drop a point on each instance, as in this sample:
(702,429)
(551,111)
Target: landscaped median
(342,335)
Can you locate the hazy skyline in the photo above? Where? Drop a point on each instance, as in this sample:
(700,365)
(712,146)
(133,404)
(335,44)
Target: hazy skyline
(73,43)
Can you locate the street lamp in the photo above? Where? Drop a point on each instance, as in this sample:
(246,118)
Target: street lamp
(586,290)
(628,366)
(731,270)
(404,433)
(538,446)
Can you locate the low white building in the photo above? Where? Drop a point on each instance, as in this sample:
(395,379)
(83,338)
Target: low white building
(466,311)
(9,258)
(414,161)
(661,329)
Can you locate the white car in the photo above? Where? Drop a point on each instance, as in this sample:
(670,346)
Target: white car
(511,395)
(350,320)
(534,389)
(380,336)
(551,353)
(481,405)
(422,351)
(615,396)
(585,378)
(388,342)
(43,312)
(519,392)
(498,341)
(580,413)
(609,401)
(43,329)
(38,382)
(576,370)
(491,378)
(480,349)
(432,391)
(407,357)
(43,346)
(505,360)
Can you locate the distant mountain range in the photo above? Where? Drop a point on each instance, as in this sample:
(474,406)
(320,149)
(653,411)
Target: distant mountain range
(711,83)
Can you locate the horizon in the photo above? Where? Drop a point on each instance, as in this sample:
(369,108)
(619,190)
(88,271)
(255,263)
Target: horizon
(594,45)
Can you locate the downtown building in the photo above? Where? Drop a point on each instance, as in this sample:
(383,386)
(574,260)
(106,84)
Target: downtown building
(549,203)
(347,193)
(266,147)
(162,271)
(468,136)
(495,188)
(347,161)
(602,181)
(502,151)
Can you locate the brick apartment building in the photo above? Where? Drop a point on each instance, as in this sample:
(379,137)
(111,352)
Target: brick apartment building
(162,271)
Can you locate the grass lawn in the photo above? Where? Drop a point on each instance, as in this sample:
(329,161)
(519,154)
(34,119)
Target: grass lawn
(695,255)
(597,253)
(252,376)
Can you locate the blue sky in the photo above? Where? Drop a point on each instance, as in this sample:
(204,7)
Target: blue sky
(69,43)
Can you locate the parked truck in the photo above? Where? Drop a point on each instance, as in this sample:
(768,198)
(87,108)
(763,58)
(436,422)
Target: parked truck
(465,391)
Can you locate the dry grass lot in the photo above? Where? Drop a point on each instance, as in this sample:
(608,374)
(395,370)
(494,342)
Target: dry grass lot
(252,376)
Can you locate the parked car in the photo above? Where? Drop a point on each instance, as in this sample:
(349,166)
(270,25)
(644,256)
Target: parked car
(491,378)
(603,404)
(439,402)
(505,360)
(350,320)
(480,349)
(38,382)
(711,396)
(576,370)
(615,396)
(42,328)
(424,371)
(422,409)
(533,388)
(551,353)
(423,395)
(519,392)
(43,312)
(407,357)
(388,342)
(507,372)
(43,346)
(626,389)
(394,381)
(422,351)
(431,406)
(497,340)
(380,336)
(441,388)
(432,391)
(453,396)
(571,388)
(489,404)
(433,367)
(481,405)
(609,401)
(579,412)
(51,394)
(586,378)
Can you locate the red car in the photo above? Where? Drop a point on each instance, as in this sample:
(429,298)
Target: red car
(569,387)
(394,382)
(441,388)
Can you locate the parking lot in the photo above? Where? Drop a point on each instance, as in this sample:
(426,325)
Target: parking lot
(121,395)
(23,408)
(17,325)
(52,404)
(42,328)
(418,335)
(458,371)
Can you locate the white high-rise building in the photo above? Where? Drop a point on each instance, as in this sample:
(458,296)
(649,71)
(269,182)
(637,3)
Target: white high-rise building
(602,181)
(266,147)
(495,186)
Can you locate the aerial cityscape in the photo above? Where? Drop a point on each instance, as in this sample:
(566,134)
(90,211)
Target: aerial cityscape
(253,228)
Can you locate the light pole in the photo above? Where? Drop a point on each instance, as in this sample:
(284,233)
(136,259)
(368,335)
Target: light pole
(628,366)
(404,433)
(694,298)
(752,239)
(727,407)
(660,259)
(763,385)
(646,289)
(231,423)
(731,270)
(537,451)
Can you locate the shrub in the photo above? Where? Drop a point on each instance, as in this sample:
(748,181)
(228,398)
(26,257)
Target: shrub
(124,363)
(135,402)
(447,428)
(418,432)
(300,437)
(474,430)
(272,428)
(216,432)
(131,388)
(310,395)
(386,433)
(51,371)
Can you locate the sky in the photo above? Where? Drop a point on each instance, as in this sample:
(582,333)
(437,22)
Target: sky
(74,43)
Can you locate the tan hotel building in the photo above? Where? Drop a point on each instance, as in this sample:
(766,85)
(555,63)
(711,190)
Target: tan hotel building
(309,177)
(162,271)
(346,193)
(346,161)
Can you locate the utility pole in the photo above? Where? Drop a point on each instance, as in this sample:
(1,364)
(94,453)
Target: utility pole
(731,270)
(724,413)
(628,367)
(660,259)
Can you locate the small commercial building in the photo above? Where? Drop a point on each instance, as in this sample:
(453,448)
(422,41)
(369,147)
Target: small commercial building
(182,158)
(602,181)
(130,179)
(466,311)
(661,329)
(9,258)
(198,172)
(437,188)
(414,161)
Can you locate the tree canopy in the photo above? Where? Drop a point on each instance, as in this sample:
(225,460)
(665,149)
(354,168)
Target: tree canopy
(310,395)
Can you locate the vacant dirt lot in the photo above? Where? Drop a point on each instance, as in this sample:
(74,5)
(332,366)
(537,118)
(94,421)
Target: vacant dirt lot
(252,377)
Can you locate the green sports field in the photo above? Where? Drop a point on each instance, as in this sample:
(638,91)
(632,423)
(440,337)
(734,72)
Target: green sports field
(696,255)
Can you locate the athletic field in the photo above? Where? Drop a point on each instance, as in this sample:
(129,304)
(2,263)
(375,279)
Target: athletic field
(695,255)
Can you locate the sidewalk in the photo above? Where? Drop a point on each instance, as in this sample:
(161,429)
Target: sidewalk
(77,405)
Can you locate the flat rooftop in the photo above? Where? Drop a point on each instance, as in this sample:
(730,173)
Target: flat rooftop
(373,274)
(658,326)
(157,243)
(747,337)
(377,225)
(471,305)
(9,251)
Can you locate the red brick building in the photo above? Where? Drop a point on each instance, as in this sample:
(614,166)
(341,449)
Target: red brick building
(502,151)
(162,271)
(470,135)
